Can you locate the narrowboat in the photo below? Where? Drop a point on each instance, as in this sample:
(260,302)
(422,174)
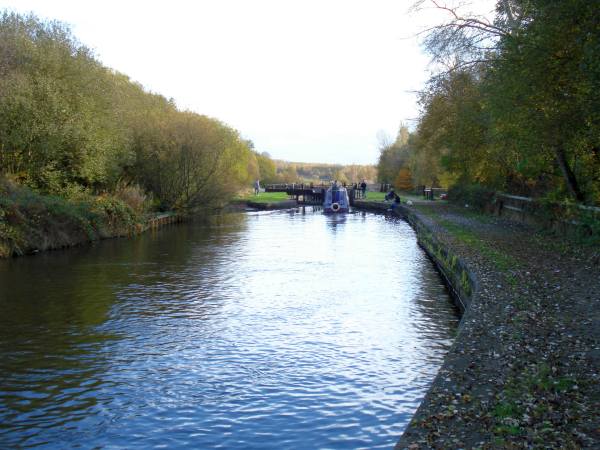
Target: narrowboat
(336,199)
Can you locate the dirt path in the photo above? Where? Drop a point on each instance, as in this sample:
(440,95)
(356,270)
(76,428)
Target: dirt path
(524,371)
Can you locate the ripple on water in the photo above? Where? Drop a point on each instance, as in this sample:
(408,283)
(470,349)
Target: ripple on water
(278,330)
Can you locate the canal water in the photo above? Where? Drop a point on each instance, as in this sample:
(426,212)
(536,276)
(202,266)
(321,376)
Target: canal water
(288,329)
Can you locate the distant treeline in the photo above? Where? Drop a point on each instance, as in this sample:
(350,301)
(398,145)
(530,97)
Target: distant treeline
(71,127)
(294,172)
(515,107)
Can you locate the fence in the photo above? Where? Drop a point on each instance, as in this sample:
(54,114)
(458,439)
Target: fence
(563,217)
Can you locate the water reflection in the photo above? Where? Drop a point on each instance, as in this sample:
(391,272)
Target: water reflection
(276,329)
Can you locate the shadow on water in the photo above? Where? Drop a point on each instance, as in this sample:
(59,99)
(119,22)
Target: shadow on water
(260,330)
(53,308)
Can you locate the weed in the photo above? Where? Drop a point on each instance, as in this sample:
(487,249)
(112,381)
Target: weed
(563,384)
(520,303)
(465,283)
(511,430)
(511,279)
(506,409)
(133,196)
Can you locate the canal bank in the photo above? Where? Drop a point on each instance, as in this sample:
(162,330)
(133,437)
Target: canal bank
(523,371)
(264,201)
(272,206)
(32,223)
(54,231)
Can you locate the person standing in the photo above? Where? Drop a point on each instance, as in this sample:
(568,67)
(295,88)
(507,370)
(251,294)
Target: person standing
(256,187)
(363,188)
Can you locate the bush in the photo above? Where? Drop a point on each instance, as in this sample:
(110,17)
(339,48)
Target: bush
(577,221)
(474,195)
(30,221)
(114,214)
(133,196)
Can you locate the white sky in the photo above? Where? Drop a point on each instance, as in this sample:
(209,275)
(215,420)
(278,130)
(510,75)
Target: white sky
(306,80)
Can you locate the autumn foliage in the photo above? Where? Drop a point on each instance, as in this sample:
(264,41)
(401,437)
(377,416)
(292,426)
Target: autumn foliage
(515,105)
(70,126)
(403,181)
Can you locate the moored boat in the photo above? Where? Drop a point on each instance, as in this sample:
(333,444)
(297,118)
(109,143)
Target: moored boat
(336,199)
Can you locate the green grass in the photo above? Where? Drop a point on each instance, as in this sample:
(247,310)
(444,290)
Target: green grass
(266,197)
(502,261)
(376,196)
(504,410)
(511,430)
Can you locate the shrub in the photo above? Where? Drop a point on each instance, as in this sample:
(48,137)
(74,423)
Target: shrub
(30,221)
(133,196)
(115,214)
(474,195)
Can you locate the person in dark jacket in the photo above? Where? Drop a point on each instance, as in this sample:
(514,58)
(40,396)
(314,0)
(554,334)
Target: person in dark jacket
(395,199)
(363,188)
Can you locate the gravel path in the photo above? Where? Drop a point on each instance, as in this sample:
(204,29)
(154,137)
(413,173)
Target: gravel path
(524,370)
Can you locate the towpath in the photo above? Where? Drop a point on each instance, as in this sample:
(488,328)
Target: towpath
(524,369)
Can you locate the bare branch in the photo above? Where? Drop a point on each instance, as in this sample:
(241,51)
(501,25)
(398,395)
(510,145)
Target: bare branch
(463,40)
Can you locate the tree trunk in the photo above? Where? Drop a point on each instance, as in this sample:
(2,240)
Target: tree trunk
(568,174)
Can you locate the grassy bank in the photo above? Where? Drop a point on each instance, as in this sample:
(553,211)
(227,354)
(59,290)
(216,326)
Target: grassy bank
(264,197)
(375,196)
(30,222)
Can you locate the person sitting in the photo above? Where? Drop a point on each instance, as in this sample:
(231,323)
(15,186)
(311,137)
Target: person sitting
(394,197)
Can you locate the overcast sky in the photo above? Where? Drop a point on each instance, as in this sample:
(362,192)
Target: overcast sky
(305,80)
